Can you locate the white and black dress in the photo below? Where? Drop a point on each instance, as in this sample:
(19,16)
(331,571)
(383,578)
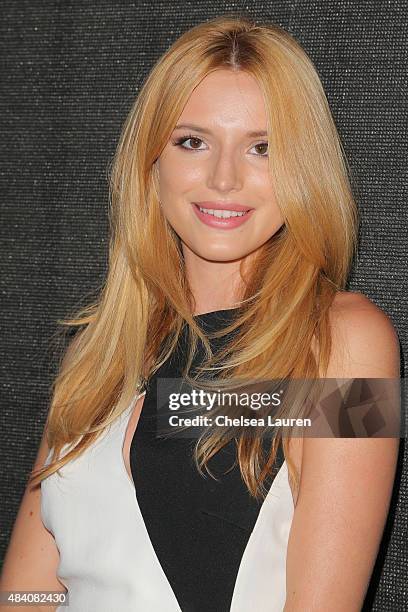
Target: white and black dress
(171,540)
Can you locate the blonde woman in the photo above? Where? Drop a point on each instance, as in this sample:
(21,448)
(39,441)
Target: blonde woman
(231,211)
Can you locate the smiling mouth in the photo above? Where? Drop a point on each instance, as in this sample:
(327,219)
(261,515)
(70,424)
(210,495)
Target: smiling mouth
(221,214)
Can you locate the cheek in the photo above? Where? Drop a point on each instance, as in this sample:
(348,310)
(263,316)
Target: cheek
(261,182)
(176,181)
(178,177)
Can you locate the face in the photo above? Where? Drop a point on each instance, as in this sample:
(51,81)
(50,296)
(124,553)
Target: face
(217,159)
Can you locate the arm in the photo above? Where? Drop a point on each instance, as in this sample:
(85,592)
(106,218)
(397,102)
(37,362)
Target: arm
(32,556)
(346,483)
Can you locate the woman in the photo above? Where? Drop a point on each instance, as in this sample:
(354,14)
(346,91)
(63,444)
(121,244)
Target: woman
(233,118)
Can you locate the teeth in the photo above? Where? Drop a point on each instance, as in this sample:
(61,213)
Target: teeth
(222,214)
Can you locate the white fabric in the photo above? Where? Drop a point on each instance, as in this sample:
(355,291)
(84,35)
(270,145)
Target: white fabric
(107,560)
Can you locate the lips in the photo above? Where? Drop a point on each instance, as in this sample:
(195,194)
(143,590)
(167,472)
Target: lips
(235,206)
(222,223)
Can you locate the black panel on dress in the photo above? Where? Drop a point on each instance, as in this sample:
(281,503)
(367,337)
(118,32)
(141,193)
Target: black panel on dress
(199,527)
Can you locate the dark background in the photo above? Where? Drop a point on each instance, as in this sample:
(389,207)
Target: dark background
(69,74)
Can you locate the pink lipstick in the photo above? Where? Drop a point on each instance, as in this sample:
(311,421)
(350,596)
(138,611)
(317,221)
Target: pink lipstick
(222,215)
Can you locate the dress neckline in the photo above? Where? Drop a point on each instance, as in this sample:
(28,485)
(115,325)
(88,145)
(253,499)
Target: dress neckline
(215,312)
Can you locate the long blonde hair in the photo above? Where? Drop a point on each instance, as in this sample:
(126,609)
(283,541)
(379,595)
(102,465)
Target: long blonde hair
(126,334)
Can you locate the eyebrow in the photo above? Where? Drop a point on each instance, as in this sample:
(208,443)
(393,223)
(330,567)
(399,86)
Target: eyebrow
(197,128)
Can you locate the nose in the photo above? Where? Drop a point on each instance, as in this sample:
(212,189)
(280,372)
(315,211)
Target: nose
(225,172)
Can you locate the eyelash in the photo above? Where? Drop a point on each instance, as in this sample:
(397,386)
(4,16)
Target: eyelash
(182,139)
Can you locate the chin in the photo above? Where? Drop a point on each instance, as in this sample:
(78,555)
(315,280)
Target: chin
(219,255)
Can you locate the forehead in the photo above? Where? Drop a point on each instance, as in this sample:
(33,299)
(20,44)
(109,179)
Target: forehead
(226,98)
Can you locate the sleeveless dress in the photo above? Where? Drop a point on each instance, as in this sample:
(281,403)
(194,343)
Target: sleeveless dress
(171,540)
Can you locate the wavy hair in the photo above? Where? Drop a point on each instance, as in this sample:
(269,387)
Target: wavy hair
(282,331)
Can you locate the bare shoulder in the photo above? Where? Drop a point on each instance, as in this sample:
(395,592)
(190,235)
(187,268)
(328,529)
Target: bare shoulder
(354,304)
(345,483)
(364,345)
(365,341)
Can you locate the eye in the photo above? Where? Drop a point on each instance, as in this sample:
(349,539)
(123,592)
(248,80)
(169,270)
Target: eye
(262,148)
(195,145)
(194,142)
